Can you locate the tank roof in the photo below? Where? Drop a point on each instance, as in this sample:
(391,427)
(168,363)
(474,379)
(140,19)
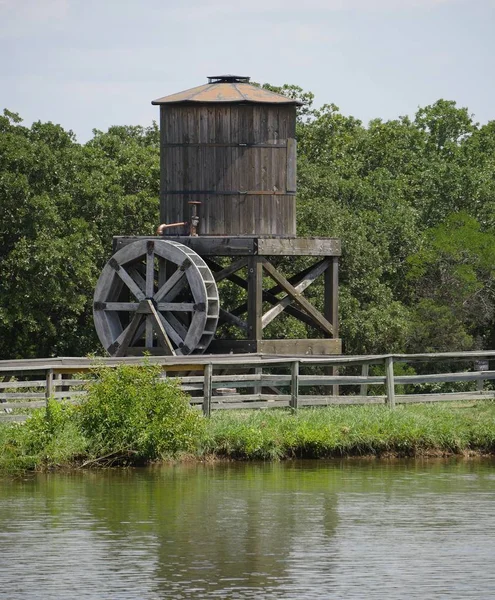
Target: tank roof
(229,89)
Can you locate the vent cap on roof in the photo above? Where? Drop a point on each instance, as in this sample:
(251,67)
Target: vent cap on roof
(228,79)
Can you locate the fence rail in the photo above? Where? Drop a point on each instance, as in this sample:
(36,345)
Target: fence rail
(223,382)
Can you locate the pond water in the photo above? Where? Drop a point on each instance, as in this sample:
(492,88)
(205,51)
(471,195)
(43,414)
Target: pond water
(296,530)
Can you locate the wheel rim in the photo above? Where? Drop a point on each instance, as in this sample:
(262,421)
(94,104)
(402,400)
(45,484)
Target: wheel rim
(157,296)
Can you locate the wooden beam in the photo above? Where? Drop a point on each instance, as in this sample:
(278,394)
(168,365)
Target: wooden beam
(227,317)
(127,279)
(216,268)
(306,347)
(255,298)
(230,270)
(315,272)
(121,344)
(161,334)
(298,298)
(207,389)
(389,383)
(172,284)
(294,386)
(331,295)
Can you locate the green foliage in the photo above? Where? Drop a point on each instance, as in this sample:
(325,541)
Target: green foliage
(49,437)
(130,411)
(413,201)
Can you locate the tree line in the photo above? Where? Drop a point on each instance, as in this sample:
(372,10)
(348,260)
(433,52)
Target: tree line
(413,201)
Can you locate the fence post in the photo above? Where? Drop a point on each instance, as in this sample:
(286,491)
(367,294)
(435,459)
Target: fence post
(294,385)
(207,389)
(49,385)
(389,380)
(365,370)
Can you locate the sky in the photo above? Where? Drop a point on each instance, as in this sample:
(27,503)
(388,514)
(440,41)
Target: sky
(89,64)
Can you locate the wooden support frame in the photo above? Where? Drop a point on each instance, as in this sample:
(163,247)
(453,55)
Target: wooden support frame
(251,268)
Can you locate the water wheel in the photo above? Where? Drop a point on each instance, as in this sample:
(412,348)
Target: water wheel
(157,296)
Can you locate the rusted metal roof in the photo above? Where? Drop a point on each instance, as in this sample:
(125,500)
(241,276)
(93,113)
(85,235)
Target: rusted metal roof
(227,88)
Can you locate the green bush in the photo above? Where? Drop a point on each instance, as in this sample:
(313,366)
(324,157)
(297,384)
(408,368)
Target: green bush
(130,411)
(49,437)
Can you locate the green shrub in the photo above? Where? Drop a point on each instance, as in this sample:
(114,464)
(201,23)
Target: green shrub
(49,437)
(130,411)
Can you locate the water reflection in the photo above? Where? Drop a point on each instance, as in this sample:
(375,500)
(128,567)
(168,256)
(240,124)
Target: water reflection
(292,530)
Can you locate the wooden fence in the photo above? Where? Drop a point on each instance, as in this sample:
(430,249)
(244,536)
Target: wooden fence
(258,381)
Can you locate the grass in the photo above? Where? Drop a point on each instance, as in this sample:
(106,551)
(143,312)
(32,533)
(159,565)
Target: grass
(409,430)
(59,437)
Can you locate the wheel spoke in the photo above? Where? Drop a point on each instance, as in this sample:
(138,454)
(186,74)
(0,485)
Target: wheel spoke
(172,334)
(171,287)
(176,306)
(126,306)
(150,270)
(148,340)
(129,281)
(161,334)
(138,278)
(122,342)
(177,325)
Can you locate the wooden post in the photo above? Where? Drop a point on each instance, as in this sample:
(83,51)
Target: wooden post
(255,298)
(481,365)
(207,389)
(363,390)
(294,385)
(389,380)
(258,388)
(331,309)
(49,384)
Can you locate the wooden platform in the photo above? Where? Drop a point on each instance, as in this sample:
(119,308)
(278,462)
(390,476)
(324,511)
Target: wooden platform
(246,245)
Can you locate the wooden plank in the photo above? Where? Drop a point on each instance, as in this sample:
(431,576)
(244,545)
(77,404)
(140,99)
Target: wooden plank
(5,418)
(363,390)
(445,377)
(313,274)
(216,245)
(22,405)
(49,384)
(444,397)
(21,396)
(291,165)
(299,246)
(9,385)
(161,334)
(230,269)
(122,343)
(331,295)
(317,317)
(340,380)
(227,317)
(301,347)
(339,400)
(207,393)
(294,385)
(128,280)
(270,296)
(255,299)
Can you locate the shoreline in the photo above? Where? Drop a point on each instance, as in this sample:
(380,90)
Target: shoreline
(440,431)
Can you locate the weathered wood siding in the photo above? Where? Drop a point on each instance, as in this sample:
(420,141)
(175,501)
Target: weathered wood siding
(238,160)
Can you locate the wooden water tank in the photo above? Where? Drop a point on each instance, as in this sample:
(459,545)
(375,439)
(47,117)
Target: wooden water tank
(231,146)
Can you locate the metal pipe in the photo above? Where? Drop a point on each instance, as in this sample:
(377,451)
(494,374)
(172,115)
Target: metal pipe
(163,226)
(192,224)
